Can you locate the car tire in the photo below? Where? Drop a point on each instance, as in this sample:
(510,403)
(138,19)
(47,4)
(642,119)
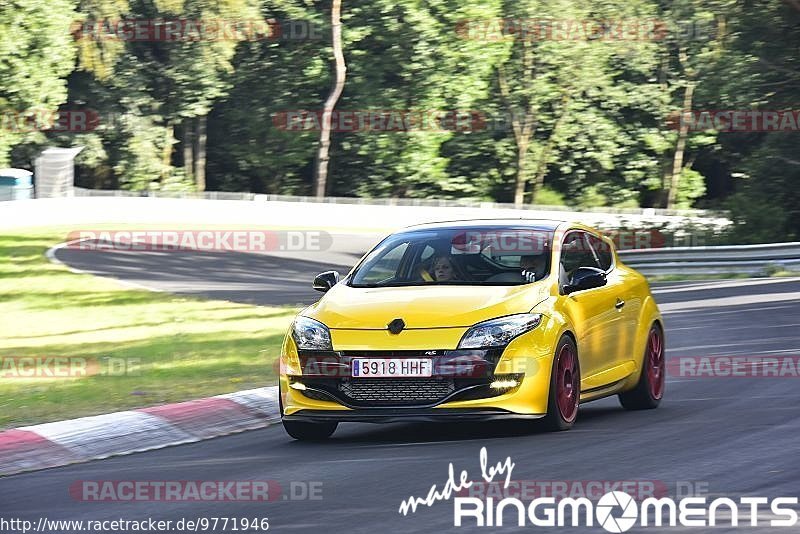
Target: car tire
(308,431)
(650,389)
(304,430)
(565,387)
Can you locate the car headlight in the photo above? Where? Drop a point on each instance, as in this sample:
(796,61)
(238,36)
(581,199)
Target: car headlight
(499,332)
(310,334)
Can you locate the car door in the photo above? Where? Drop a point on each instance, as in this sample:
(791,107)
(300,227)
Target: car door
(593,312)
(627,302)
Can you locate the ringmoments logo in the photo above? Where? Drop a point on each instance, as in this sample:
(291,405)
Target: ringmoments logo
(618,511)
(615,511)
(605,511)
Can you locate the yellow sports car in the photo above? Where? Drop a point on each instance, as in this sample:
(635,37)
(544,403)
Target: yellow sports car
(473,320)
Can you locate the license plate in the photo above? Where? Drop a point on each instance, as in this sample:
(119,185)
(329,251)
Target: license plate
(391,367)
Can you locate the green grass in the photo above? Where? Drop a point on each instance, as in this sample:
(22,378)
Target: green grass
(180,348)
(784,274)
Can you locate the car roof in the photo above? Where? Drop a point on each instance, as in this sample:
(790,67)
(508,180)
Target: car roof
(548,225)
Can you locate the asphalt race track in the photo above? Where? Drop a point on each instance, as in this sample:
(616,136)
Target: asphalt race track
(273,278)
(730,436)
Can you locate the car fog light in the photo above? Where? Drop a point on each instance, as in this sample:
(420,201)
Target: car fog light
(299,386)
(506,381)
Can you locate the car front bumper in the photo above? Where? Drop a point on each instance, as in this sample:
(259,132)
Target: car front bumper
(408,415)
(528,400)
(319,396)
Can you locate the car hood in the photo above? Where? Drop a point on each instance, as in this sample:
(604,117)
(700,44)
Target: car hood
(345,307)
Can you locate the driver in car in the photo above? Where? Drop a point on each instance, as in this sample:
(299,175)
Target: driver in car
(443,269)
(533,267)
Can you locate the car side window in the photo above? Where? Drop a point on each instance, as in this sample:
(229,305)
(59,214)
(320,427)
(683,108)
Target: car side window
(603,251)
(575,252)
(385,267)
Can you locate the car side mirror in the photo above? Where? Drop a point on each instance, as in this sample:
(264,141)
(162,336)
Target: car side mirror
(324,281)
(585,278)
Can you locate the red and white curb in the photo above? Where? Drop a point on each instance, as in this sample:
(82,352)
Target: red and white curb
(101,436)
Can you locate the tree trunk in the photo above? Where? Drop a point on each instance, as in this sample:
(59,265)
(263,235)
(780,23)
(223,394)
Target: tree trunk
(541,169)
(522,172)
(321,167)
(200,154)
(166,153)
(541,165)
(523,130)
(188,147)
(680,148)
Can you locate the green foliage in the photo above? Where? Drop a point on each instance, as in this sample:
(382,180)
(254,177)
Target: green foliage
(759,70)
(425,66)
(766,210)
(691,187)
(36,55)
(600,112)
(142,163)
(591,197)
(247,149)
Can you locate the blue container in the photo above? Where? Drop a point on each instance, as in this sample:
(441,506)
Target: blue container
(15,184)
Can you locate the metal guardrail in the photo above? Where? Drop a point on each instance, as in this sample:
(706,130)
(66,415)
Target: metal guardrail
(471,203)
(424,202)
(208,195)
(746,259)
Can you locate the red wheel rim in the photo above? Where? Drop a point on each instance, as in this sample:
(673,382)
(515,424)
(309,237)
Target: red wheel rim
(655,364)
(567,390)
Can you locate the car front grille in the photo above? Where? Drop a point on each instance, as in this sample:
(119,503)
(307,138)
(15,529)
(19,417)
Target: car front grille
(326,374)
(397,391)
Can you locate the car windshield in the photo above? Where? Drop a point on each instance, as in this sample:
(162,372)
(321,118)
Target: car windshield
(502,255)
